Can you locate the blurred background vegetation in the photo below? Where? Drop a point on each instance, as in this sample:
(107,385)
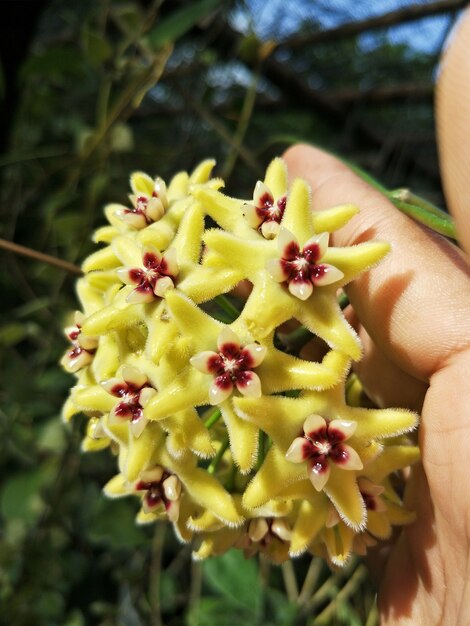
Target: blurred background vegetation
(91,91)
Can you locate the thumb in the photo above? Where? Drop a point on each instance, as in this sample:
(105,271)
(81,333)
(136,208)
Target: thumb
(453,115)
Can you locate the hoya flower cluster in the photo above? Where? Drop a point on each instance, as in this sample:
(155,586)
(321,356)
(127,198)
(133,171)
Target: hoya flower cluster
(219,426)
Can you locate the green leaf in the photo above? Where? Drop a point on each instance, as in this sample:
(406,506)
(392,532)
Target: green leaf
(55,64)
(52,436)
(217,611)
(180,22)
(122,139)
(13,333)
(236,579)
(443,225)
(20,497)
(97,48)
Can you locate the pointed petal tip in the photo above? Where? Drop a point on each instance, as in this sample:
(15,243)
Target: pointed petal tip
(301,289)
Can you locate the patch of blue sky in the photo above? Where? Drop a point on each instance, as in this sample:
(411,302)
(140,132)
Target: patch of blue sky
(280,19)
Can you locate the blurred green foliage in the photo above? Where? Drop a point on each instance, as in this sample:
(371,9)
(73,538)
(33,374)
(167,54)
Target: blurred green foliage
(109,87)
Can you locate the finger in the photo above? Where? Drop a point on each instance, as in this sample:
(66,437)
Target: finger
(383,381)
(415,303)
(453,115)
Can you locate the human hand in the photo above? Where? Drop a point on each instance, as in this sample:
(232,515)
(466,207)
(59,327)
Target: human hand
(413,318)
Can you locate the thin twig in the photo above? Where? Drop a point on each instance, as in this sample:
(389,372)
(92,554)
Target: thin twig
(40,256)
(408,14)
(245,117)
(223,132)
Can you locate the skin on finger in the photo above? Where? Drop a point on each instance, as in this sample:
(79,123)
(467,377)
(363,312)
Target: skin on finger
(384,382)
(453,114)
(426,577)
(415,303)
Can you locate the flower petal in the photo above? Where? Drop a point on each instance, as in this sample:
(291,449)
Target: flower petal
(348,459)
(159,188)
(173,510)
(172,487)
(299,450)
(258,529)
(75,359)
(329,274)
(132,218)
(262,196)
(86,342)
(218,394)
(170,260)
(344,428)
(138,425)
(114,386)
(318,244)
(227,336)
(146,394)
(133,376)
(276,270)
(130,276)
(287,244)
(270,229)
(155,209)
(141,295)
(319,472)
(281,528)
(249,385)
(152,475)
(151,257)
(162,285)
(301,289)
(251,215)
(256,353)
(314,423)
(207,362)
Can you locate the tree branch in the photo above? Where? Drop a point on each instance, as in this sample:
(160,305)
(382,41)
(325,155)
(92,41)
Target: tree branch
(377,95)
(406,14)
(40,256)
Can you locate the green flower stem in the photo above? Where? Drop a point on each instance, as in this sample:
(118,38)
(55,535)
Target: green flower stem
(290,581)
(444,226)
(311,580)
(416,207)
(350,588)
(406,195)
(214,464)
(328,590)
(227,306)
(212,419)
